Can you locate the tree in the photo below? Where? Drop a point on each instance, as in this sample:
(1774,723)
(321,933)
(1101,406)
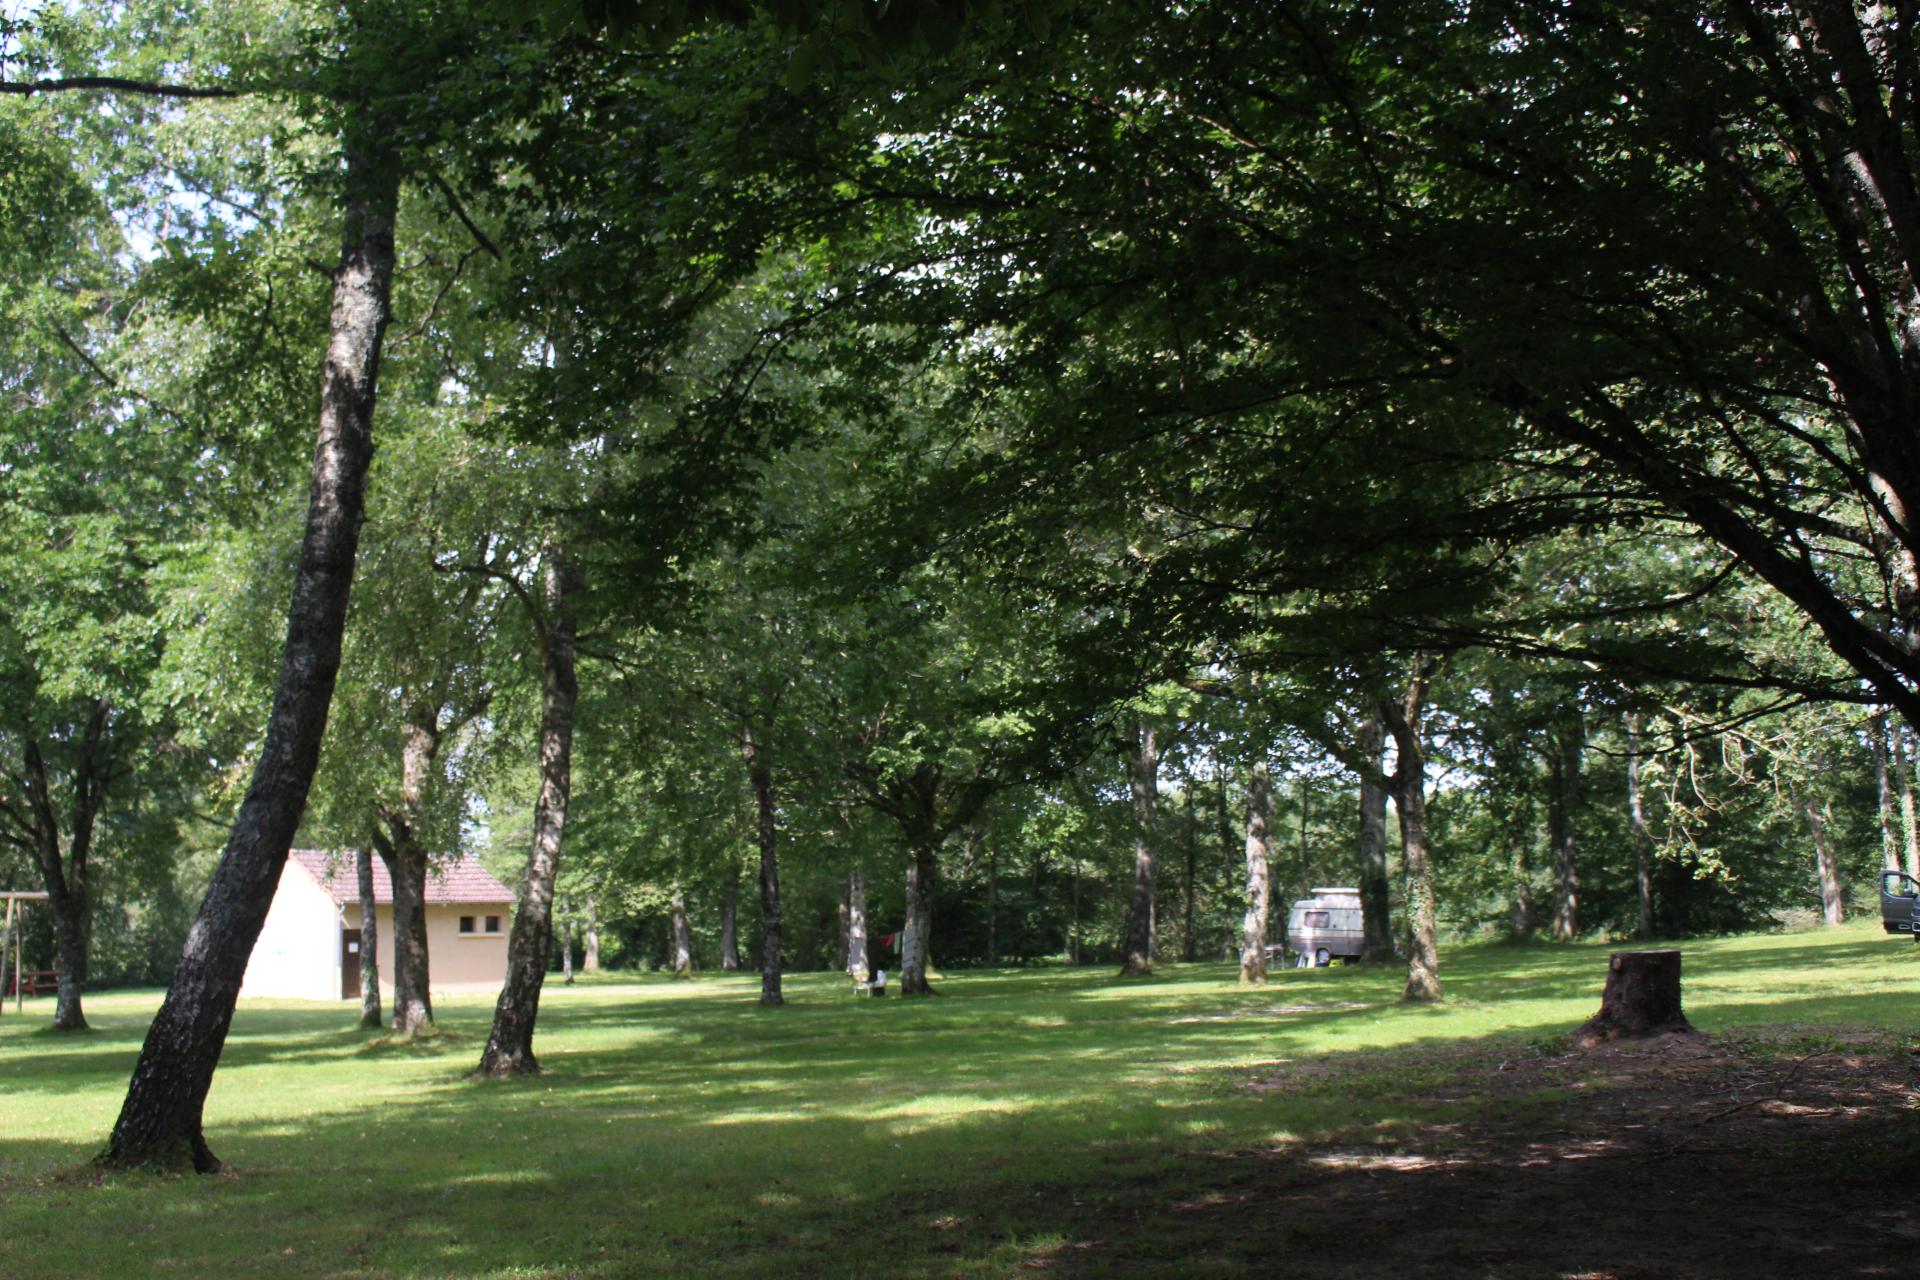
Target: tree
(1143,788)
(1566,746)
(1653,261)
(423,652)
(509,1048)
(1375,890)
(1253,944)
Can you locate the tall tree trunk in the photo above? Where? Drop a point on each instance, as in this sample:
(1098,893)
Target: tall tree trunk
(1410,803)
(160,1121)
(509,1050)
(857,924)
(590,944)
(1253,929)
(566,948)
(845,920)
(1883,787)
(69,881)
(682,937)
(1833,900)
(917,942)
(1423,965)
(1306,813)
(1909,826)
(406,858)
(1073,927)
(760,774)
(1230,856)
(369,940)
(993,905)
(71,947)
(1524,916)
(1187,940)
(406,862)
(1143,780)
(730,921)
(1569,744)
(1376,918)
(1642,837)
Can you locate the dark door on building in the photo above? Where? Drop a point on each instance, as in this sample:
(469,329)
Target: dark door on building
(349,964)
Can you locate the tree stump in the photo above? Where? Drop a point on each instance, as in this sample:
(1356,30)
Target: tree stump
(1642,999)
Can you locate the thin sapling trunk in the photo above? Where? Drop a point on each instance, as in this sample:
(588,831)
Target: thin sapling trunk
(370,1018)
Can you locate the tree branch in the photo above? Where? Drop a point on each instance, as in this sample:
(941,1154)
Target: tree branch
(460,212)
(116,84)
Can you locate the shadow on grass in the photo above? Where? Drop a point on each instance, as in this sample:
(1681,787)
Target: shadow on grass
(676,1133)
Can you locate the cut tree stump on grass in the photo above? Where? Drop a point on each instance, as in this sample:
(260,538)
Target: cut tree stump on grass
(1642,999)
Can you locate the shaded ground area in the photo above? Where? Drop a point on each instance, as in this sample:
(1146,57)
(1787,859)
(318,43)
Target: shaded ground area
(1788,1153)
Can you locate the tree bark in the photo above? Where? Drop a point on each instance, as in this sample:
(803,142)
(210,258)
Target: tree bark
(1642,837)
(760,774)
(1073,927)
(1188,943)
(1410,802)
(1304,878)
(406,862)
(857,925)
(590,943)
(845,921)
(160,1121)
(682,937)
(1883,786)
(1523,918)
(1903,773)
(993,905)
(1232,852)
(1376,920)
(509,1050)
(916,945)
(730,922)
(566,948)
(1568,745)
(370,1018)
(1833,899)
(1642,998)
(1253,927)
(1143,773)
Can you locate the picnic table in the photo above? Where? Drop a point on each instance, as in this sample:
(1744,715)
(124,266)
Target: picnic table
(34,982)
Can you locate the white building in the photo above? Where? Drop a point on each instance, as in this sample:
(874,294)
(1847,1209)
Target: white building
(309,948)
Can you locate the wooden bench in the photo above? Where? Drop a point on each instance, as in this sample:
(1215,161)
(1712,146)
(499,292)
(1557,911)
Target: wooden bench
(35,982)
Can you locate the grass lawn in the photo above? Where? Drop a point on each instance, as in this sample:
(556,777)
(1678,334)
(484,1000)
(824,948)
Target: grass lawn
(681,1130)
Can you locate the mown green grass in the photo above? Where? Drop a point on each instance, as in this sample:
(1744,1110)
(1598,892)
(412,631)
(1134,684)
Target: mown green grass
(681,1130)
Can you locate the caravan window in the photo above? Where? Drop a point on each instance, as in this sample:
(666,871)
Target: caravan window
(1317,919)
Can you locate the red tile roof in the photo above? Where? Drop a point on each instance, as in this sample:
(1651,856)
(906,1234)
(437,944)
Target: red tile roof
(460,881)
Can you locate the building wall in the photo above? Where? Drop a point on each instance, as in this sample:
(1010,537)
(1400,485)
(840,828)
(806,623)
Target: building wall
(298,954)
(457,963)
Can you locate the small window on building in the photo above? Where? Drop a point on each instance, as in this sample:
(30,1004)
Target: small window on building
(1316,919)
(466,924)
(493,924)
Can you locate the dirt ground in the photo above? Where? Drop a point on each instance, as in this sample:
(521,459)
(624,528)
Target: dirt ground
(1790,1152)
